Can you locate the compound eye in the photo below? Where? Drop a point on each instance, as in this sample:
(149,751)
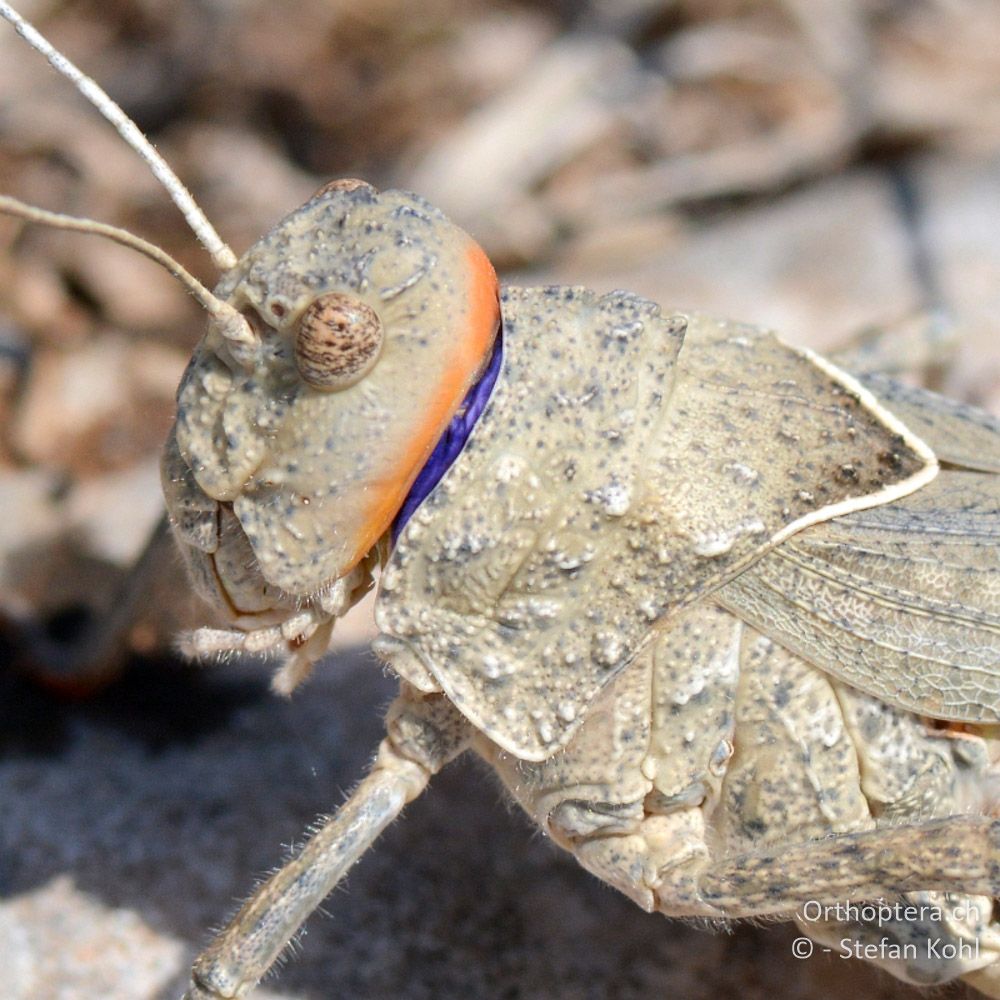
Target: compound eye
(338,342)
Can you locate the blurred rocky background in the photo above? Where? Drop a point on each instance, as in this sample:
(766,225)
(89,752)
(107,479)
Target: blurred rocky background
(825,167)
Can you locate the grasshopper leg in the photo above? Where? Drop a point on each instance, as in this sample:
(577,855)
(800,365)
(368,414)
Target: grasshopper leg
(924,937)
(424,734)
(927,937)
(955,853)
(924,342)
(95,657)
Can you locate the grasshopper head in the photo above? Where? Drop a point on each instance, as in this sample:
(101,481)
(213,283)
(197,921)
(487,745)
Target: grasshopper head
(293,449)
(338,349)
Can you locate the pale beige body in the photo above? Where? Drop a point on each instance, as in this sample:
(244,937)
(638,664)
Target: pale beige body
(579,601)
(708,780)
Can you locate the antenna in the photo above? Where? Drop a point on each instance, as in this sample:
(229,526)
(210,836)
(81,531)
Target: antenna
(230,323)
(234,327)
(221,254)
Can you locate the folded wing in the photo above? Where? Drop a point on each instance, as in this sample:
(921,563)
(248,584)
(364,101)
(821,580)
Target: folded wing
(903,600)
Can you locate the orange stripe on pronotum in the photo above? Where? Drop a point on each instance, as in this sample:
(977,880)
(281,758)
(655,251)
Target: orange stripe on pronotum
(472,340)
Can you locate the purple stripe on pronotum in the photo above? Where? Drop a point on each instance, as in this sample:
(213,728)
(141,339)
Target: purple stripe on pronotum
(453,440)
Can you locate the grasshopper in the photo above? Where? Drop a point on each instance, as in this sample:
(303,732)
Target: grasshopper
(721,616)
